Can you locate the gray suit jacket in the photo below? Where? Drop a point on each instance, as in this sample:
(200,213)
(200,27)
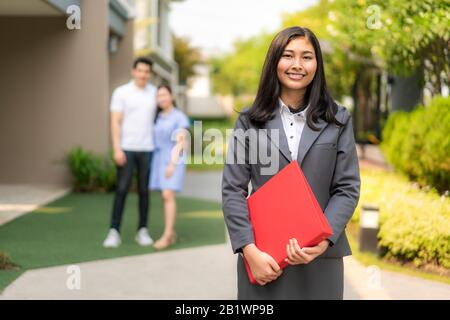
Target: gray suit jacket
(328,160)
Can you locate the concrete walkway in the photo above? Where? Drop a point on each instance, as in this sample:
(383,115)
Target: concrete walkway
(197,273)
(18,199)
(206,272)
(192,274)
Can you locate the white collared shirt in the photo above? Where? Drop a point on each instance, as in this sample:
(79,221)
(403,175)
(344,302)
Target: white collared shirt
(138,107)
(293,124)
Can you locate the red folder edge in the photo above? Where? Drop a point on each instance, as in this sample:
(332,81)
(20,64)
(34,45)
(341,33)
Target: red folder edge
(322,219)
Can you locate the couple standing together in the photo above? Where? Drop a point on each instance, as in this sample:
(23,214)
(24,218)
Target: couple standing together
(147,134)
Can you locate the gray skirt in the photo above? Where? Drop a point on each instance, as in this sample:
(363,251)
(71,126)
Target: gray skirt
(322,279)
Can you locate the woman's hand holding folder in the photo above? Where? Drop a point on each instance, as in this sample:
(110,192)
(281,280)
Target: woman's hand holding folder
(297,255)
(264,268)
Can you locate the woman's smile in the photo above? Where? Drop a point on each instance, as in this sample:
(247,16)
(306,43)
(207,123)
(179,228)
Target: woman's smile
(295,76)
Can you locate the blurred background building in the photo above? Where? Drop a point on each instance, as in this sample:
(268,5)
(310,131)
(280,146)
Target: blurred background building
(153,38)
(202,103)
(56,82)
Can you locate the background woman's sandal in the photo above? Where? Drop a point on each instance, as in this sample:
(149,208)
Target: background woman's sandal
(165,242)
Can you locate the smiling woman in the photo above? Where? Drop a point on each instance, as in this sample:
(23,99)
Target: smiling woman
(296,69)
(293,100)
(294,72)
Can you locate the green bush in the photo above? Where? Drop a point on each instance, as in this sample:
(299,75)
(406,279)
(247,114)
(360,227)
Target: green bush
(91,172)
(417,143)
(414,223)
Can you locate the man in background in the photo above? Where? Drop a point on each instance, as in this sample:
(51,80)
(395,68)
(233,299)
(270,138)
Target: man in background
(133,108)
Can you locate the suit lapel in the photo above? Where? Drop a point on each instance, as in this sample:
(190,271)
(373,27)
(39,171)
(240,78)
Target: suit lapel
(307,139)
(282,143)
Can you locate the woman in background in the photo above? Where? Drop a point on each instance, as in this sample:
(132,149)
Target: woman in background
(168,162)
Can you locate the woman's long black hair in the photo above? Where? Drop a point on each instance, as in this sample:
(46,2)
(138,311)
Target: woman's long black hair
(158,108)
(321,104)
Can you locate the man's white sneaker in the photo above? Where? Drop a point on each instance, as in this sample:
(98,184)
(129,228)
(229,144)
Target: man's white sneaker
(112,239)
(143,238)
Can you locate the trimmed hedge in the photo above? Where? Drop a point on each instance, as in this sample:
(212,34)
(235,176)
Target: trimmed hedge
(414,223)
(417,143)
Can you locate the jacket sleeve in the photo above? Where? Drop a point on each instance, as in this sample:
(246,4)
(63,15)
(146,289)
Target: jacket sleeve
(345,185)
(235,180)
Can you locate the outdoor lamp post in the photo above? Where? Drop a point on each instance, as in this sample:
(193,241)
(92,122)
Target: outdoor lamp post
(369,228)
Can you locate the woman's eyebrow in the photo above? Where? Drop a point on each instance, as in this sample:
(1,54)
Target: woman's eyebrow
(302,52)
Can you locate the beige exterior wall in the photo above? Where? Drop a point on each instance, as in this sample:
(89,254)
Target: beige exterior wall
(54,92)
(121,62)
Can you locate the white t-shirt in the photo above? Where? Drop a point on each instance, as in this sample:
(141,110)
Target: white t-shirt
(138,107)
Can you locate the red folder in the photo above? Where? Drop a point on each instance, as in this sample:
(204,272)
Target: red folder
(284,208)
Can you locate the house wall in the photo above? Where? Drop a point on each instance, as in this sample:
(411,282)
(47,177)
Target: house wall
(121,62)
(54,93)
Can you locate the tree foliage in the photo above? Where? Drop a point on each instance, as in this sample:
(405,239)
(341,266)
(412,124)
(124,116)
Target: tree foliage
(187,57)
(395,35)
(399,36)
(238,72)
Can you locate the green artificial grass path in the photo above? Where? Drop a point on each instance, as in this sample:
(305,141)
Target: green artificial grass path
(72,229)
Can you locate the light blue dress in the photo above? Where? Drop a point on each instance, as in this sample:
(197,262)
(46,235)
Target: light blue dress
(164,135)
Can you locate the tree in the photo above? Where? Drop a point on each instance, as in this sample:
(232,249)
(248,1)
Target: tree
(187,57)
(238,73)
(394,35)
(399,36)
(340,68)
